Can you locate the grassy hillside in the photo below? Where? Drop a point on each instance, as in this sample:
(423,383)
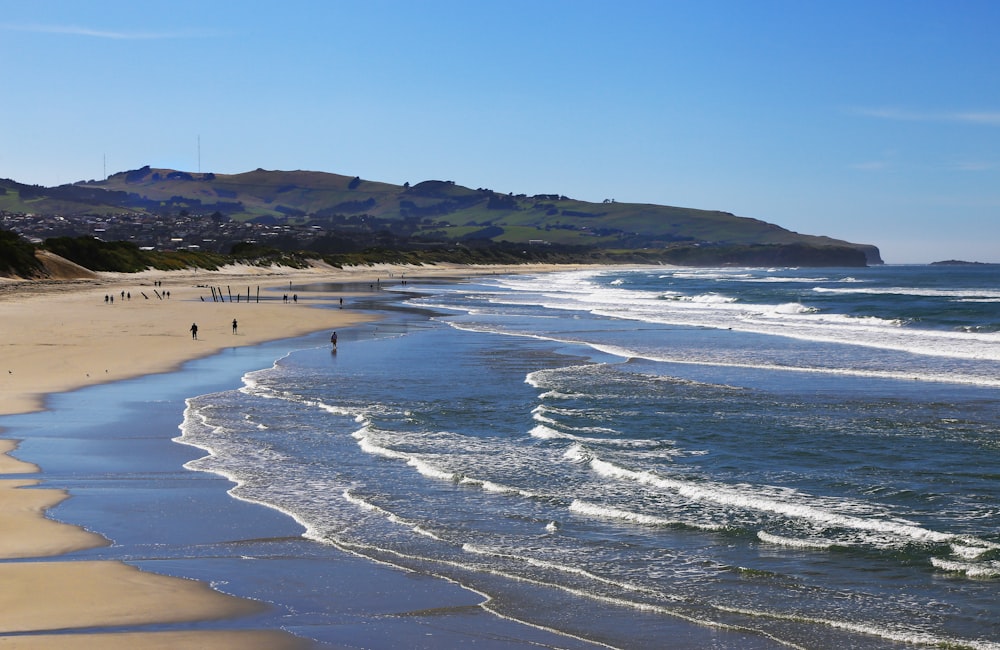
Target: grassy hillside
(430,211)
(442,209)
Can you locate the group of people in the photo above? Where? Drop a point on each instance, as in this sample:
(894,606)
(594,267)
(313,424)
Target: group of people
(109,298)
(295,298)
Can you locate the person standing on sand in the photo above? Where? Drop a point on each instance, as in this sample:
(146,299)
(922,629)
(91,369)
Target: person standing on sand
(234,326)
(194,331)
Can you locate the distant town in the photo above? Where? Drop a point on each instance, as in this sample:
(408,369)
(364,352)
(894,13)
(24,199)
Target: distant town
(209,233)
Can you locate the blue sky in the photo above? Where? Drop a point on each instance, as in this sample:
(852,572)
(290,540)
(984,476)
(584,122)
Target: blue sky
(875,121)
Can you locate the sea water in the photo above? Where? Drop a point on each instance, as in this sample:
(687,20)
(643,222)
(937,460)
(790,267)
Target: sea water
(787,457)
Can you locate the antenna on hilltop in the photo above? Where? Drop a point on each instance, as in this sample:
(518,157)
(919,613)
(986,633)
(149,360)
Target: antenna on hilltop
(199,154)
(105,166)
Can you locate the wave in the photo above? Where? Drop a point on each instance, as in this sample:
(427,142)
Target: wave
(907,636)
(392,517)
(707,299)
(969,569)
(792,542)
(795,320)
(667,355)
(430,470)
(539,415)
(588,509)
(544,432)
(793,308)
(912,291)
(792,504)
(422,466)
(555,566)
(971,549)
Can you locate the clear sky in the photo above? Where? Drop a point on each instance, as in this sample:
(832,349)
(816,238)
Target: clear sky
(875,121)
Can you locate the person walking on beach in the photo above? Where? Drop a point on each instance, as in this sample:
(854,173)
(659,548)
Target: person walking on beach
(194,331)
(333,340)
(234,326)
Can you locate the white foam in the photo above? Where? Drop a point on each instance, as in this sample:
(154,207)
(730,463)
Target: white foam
(546,433)
(793,308)
(555,566)
(793,506)
(606,512)
(576,454)
(793,542)
(971,549)
(496,488)
(578,292)
(712,299)
(911,291)
(392,517)
(970,569)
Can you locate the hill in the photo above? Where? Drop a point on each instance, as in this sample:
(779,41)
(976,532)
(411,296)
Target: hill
(429,213)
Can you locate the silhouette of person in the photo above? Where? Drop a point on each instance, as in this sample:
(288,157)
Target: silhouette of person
(194,331)
(333,340)
(234,326)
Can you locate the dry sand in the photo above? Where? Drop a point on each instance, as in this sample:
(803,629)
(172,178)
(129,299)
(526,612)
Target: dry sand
(60,335)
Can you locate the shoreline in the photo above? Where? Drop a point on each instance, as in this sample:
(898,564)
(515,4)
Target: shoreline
(56,331)
(100,342)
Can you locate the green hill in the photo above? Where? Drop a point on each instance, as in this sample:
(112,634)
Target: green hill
(429,212)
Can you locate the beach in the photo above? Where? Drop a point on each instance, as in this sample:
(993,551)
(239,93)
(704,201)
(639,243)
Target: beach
(67,335)
(506,457)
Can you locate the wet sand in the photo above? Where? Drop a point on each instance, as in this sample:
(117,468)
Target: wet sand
(59,577)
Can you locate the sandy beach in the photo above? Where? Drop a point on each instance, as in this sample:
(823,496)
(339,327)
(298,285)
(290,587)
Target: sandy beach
(62,335)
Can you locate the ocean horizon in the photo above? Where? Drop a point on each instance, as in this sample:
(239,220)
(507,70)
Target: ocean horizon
(614,457)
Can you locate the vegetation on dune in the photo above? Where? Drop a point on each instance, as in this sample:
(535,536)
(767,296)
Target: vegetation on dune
(17,256)
(99,256)
(127,258)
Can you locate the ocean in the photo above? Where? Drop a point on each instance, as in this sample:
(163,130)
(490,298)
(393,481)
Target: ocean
(805,458)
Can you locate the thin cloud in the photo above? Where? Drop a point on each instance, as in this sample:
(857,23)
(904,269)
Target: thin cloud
(76,30)
(985,117)
(872,165)
(974,166)
(990,118)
